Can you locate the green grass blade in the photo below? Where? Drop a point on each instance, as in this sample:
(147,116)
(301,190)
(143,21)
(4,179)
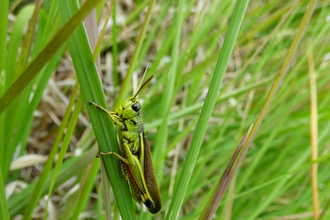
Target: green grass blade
(65,145)
(26,118)
(86,188)
(169,92)
(114,45)
(4,213)
(275,86)
(45,55)
(152,33)
(42,179)
(10,115)
(92,90)
(4,6)
(207,109)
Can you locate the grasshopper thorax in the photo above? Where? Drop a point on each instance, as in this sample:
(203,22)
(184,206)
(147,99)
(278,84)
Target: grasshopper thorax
(129,108)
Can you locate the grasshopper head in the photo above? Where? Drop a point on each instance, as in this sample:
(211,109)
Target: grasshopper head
(129,108)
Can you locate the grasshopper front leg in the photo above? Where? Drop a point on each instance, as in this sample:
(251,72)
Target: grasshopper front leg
(114,118)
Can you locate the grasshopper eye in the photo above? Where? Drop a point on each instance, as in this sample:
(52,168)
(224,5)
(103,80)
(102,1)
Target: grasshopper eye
(136,107)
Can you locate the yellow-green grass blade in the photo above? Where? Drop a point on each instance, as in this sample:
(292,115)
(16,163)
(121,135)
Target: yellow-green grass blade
(92,90)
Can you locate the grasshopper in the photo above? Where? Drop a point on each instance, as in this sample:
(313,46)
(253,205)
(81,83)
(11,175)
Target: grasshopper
(136,163)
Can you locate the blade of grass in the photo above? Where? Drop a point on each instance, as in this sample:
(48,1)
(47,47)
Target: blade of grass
(314,132)
(47,27)
(85,184)
(114,46)
(325,209)
(92,90)
(106,192)
(14,69)
(99,42)
(65,145)
(168,94)
(284,68)
(11,115)
(222,97)
(219,191)
(152,33)
(105,180)
(27,42)
(34,199)
(26,118)
(4,7)
(207,109)
(86,188)
(126,83)
(45,55)
(4,213)
(277,82)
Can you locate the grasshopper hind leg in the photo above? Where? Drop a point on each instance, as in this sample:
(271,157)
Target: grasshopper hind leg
(134,190)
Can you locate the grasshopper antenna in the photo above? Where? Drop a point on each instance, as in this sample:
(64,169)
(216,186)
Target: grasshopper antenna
(139,90)
(144,74)
(140,87)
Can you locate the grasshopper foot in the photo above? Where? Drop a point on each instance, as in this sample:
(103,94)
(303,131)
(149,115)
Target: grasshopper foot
(90,102)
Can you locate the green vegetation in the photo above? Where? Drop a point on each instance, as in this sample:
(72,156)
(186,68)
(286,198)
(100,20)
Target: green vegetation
(218,66)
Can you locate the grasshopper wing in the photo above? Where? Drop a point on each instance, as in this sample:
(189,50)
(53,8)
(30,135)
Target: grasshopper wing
(150,177)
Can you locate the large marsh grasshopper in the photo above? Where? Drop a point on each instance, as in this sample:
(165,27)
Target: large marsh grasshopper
(136,163)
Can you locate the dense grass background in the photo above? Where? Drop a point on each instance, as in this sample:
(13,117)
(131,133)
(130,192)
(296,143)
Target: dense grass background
(47,133)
